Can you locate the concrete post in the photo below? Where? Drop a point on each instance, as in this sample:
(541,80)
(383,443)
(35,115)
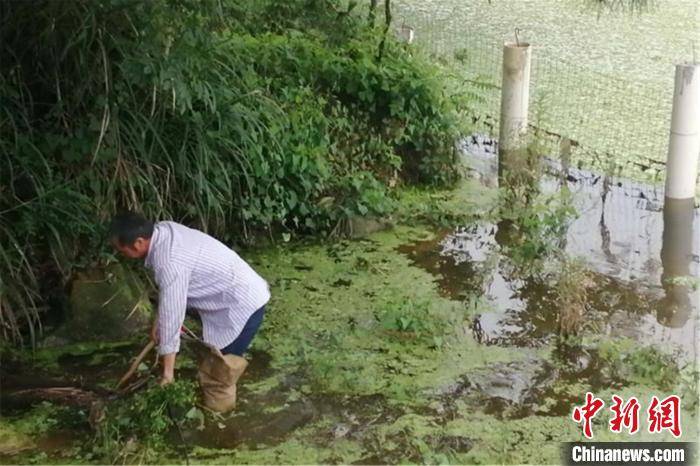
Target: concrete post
(515,96)
(407,34)
(684,143)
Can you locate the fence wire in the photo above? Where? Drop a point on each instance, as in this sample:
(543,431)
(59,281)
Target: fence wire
(598,120)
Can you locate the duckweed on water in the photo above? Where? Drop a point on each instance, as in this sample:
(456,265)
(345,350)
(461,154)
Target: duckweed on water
(364,358)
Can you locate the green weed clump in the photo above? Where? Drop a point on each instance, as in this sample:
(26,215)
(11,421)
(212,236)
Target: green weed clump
(647,365)
(136,427)
(232,116)
(411,320)
(571,282)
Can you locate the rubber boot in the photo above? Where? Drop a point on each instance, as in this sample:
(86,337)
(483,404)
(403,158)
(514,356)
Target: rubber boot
(238,365)
(218,375)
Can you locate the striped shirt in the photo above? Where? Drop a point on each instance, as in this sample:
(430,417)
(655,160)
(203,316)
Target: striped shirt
(194,270)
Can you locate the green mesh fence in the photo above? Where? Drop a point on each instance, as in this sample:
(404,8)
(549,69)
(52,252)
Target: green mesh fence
(601,81)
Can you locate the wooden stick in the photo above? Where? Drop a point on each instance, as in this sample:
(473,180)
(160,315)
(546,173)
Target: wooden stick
(189,332)
(135,364)
(132,387)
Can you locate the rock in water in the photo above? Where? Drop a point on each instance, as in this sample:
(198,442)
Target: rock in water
(515,386)
(359,227)
(13,441)
(108,304)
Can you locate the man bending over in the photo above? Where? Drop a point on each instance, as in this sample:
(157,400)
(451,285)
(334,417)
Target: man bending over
(195,271)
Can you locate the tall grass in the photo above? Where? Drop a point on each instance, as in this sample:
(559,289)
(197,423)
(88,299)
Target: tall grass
(236,117)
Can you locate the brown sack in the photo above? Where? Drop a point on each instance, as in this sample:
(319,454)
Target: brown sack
(218,375)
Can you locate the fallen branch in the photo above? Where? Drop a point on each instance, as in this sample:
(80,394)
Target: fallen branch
(134,365)
(71,396)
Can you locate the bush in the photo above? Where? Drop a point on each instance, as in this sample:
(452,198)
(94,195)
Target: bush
(230,116)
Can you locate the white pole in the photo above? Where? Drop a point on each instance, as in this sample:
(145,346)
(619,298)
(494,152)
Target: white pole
(407,34)
(684,143)
(515,95)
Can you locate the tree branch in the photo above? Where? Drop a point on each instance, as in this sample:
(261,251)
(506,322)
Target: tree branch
(387,24)
(372,12)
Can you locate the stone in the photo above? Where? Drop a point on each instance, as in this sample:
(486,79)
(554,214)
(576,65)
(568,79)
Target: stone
(106,304)
(340,430)
(514,386)
(359,227)
(13,441)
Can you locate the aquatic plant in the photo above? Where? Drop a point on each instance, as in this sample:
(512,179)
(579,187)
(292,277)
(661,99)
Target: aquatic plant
(571,285)
(532,224)
(131,429)
(646,365)
(534,232)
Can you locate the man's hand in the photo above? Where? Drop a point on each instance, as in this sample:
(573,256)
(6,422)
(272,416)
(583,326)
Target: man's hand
(168,369)
(154,331)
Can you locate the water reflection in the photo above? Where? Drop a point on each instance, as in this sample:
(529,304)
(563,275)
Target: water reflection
(519,173)
(643,259)
(676,255)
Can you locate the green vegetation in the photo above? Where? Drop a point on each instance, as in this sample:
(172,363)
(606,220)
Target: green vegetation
(236,117)
(646,365)
(290,119)
(371,362)
(532,224)
(21,435)
(133,430)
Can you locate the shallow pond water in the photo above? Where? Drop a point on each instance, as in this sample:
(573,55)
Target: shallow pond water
(344,372)
(601,78)
(644,262)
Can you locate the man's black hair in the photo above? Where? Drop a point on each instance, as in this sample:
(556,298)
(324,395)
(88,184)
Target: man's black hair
(128,226)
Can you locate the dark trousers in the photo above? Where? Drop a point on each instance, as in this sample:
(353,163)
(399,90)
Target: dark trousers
(242,342)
